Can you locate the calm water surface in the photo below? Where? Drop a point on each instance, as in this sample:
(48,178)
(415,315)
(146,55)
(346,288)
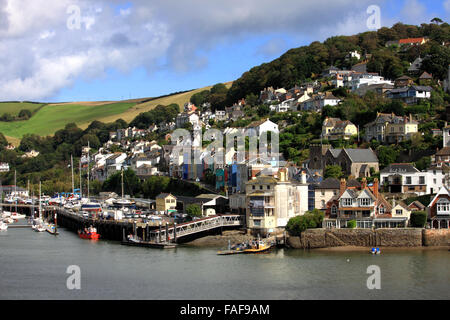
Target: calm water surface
(33,266)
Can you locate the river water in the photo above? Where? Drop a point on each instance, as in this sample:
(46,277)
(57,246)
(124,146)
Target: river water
(33,266)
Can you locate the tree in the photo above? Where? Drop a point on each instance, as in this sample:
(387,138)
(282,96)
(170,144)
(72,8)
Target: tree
(25,114)
(333,171)
(351,224)
(3,141)
(194,211)
(387,155)
(418,219)
(436,20)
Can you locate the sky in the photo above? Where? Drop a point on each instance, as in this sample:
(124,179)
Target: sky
(88,50)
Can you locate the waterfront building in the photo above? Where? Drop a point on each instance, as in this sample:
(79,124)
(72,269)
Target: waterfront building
(4,167)
(439,209)
(366,205)
(166,202)
(272,201)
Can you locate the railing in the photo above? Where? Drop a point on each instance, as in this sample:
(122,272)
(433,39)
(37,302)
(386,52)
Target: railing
(184,229)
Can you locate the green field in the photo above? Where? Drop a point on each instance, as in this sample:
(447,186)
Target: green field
(54,117)
(13,108)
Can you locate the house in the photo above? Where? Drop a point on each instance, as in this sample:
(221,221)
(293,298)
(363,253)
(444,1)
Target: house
(416,206)
(14,191)
(4,167)
(115,163)
(318,101)
(187,117)
(403,178)
(442,156)
(353,54)
(237,203)
(335,129)
(410,95)
(166,202)
(403,81)
(262,126)
(364,204)
(413,41)
(323,192)
(414,68)
(220,115)
(272,201)
(439,209)
(31,154)
(355,80)
(330,71)
(387,127)
(425,79)
(401,211)
(360,67)
(438,175)
(378,88)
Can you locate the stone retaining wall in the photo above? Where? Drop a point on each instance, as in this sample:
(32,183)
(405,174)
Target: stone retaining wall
(436,237)
(323,238)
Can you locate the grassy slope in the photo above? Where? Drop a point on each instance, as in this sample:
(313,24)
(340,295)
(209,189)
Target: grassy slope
(53,117)
(14,108)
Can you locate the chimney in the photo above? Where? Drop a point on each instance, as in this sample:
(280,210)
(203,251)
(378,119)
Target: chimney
(303,178)
(410,117)
(363,183)
(343,186)
(375,187)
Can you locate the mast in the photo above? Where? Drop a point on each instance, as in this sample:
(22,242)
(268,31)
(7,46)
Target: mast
(40,204)
(71,166)
(88,172)
(122,185)
(15,187)
(81,190)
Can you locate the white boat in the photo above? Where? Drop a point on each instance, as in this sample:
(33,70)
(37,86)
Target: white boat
(3,226)
(40,228)
(17,216)
(8,220)
(6,214)
(50,228)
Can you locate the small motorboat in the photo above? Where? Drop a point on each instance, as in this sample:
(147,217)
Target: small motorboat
(39,228)
(258,246)
(375,251)
(51,228)
(90,234)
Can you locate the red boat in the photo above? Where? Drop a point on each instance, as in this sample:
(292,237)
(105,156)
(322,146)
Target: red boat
(90,234)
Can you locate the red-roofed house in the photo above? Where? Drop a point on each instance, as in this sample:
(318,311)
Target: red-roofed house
(413,41)
(439,209)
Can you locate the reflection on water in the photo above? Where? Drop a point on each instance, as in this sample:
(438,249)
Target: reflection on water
(33,266)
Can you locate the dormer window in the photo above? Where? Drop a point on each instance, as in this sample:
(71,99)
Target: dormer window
(365,202)
(381,210)
(347,202)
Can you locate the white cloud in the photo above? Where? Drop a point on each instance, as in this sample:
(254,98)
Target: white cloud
(40,55)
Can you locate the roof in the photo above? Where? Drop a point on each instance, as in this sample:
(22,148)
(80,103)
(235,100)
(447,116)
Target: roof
(399,168)
(263,179)
(361,155)
(426,75)
(164,195)
(411,40)
(329,183)
(403,78)
(418,204)
(445,151)
(255,124)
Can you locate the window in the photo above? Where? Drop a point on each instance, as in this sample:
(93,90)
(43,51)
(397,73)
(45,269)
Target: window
(421,180)
(346,202)
(260,187)
(399,212)
(434,181)
(323,203)
(323,192)
(335,192)
(408,180)
(381,210)
(365,202)
(334,210)
(268,187)
(253,187)
(443,205)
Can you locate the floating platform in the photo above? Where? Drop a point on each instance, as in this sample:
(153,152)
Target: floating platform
(11,226)
(149,244)
(228,252)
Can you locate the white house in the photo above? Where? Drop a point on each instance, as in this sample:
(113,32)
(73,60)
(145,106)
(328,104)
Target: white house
(437,177)
(184,118)
(262,126)
(4,167)
(355,80)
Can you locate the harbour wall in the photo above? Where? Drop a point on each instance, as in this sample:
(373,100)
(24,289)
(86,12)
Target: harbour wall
(405,237)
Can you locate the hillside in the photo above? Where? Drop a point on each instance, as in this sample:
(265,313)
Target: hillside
(52,117)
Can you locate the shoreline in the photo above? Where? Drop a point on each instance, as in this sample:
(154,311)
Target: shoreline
(365,249)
